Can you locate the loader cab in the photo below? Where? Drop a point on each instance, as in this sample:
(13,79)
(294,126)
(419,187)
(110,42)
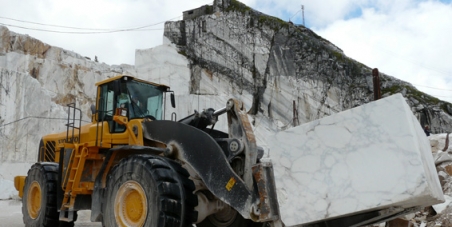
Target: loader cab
(129,97)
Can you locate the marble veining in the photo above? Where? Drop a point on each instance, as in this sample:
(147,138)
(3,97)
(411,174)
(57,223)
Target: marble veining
(368,158)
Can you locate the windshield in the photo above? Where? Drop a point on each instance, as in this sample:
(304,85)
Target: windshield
(141,100)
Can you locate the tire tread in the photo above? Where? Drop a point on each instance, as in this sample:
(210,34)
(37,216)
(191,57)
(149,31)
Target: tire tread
(171,185)
(49,172)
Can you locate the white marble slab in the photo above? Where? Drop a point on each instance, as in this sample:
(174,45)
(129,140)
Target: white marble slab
(371,157)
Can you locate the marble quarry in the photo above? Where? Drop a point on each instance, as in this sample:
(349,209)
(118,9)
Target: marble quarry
(372,157)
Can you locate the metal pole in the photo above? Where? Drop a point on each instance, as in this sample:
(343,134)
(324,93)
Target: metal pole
(295,121)
(220,111)
(302,12)
(376,82)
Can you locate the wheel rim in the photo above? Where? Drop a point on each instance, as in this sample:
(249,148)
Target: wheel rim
(223,218)
(34,200)
(131,205)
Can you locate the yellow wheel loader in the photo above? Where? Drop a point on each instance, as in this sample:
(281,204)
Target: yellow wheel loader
(131,167)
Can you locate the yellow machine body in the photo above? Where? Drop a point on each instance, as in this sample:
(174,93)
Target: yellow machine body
(84,146)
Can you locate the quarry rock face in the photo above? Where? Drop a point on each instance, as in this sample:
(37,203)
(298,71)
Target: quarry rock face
(293,75)
(37,81)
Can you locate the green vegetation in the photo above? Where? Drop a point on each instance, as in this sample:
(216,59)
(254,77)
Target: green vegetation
(182,52)
(421,96)
(317,36)
(383,79)
(337,55)
(356,69)
(391,90)
(238,7)
(357,86)
(209,9)
(411,92)
(272,22)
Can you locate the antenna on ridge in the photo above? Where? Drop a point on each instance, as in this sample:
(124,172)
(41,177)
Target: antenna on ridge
(302,12)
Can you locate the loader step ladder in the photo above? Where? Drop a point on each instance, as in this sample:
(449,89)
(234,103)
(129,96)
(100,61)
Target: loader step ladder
(71,125)
(75,168)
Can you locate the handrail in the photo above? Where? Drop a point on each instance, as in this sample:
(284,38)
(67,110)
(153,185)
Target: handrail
(71,122)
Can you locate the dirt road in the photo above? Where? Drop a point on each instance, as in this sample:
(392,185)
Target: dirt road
(11,215)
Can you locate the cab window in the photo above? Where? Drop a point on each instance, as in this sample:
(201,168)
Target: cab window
(107,106)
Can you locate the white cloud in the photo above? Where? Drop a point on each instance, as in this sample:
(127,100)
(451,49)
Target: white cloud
(111,48)
(411,44)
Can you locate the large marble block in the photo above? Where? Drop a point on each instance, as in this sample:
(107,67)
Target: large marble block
(372,157)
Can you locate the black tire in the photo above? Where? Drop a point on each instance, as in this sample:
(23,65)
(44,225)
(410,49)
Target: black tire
(69,224)
(159,186)
(228,218)
(39,201)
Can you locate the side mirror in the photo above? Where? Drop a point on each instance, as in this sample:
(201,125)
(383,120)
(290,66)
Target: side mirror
(173,102)
(93,109)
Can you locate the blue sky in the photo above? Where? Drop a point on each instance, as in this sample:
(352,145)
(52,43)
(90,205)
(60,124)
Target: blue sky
(407,39)
(357,12)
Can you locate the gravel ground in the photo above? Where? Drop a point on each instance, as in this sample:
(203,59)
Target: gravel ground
(11,215)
